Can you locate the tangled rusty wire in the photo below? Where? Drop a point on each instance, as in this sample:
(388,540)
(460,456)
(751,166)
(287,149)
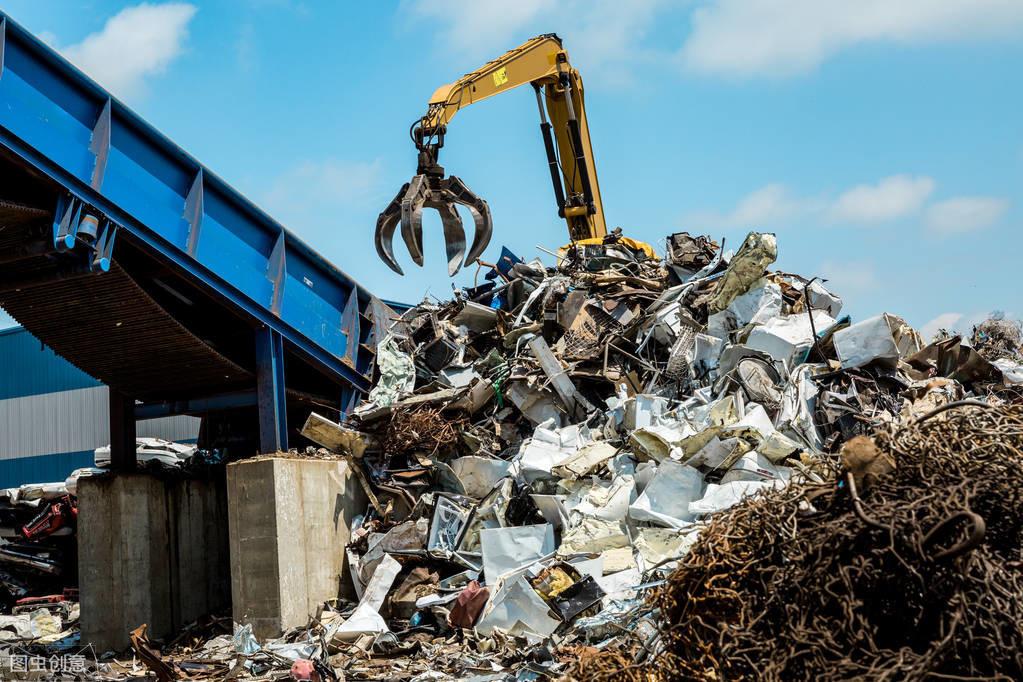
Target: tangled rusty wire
(421,429)
(605,665)
(924,580)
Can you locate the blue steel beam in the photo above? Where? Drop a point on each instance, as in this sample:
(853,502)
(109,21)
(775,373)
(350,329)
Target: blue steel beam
(195,406)
(271,402)
(63,124)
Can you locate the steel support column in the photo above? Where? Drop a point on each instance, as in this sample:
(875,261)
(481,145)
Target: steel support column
(270,396)
(122,432)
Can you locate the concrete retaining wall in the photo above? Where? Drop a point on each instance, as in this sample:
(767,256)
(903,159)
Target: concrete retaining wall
(290,520)
(149,551)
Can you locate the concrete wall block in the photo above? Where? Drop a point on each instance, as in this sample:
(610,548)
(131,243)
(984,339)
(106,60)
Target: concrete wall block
(290,520)
(252,530)
(149,551)
(199,547)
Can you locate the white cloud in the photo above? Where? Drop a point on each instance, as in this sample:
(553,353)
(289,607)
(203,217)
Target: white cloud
(313,189)
(964,214)
(604,37)
(944,321)
(607,40)
(786,37)
(893,197)
(49,37)
(962,323)
(478,27)
(849,278)
(768,204)
(245,47)
(771,205)
(730,37)
(134,44)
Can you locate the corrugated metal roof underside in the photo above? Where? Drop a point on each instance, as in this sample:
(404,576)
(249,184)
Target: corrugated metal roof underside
(109,327)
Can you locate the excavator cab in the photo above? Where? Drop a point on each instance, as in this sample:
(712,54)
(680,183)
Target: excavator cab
(430,189)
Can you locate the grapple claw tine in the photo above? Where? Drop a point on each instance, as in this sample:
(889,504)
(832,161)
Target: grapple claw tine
(412,234)
(387,221)
(484,230)
(480,216)
(454,235)
(412,217)
(443,194)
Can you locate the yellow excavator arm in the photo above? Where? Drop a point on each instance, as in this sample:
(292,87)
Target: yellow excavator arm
(543,63)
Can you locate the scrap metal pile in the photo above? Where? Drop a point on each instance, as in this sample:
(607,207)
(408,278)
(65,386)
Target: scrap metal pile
(37,542)
(909,569)
(627,467)
(38,567)
(540,452)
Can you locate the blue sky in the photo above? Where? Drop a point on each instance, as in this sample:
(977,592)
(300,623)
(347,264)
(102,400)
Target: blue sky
(881,141)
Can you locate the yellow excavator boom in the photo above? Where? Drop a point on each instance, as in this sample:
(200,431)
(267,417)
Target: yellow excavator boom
(543,63)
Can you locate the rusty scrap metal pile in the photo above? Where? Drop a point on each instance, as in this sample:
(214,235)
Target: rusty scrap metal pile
(911,572)
(625,465)
(628,467)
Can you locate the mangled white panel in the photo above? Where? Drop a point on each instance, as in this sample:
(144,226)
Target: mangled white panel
(665,500)
(658,545)
(717,452)
(787,338)
(552,508)
(720,497)
(758,305)
(884,339)
(822,299)
(536,405)
(593,535)
(479,475)
(1012,372)
(515,609)
(508,549)
(655,442)
(588,459)
(604,500)
(548,448)
(772,443)
(619,586)
(798,403)
(366,619)
(755,467)
(706,351)
(644,410)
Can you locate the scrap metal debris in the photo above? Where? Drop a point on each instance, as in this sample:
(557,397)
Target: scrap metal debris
(38,559)
(622,467)
(910,573)
(568,436)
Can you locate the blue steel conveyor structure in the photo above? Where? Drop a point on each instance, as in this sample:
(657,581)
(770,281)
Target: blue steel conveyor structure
(140,266)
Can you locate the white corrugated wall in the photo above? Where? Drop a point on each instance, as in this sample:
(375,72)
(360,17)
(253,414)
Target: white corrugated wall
(73,421)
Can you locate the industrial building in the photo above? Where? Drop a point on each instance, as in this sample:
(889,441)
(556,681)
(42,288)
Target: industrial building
(53,415)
